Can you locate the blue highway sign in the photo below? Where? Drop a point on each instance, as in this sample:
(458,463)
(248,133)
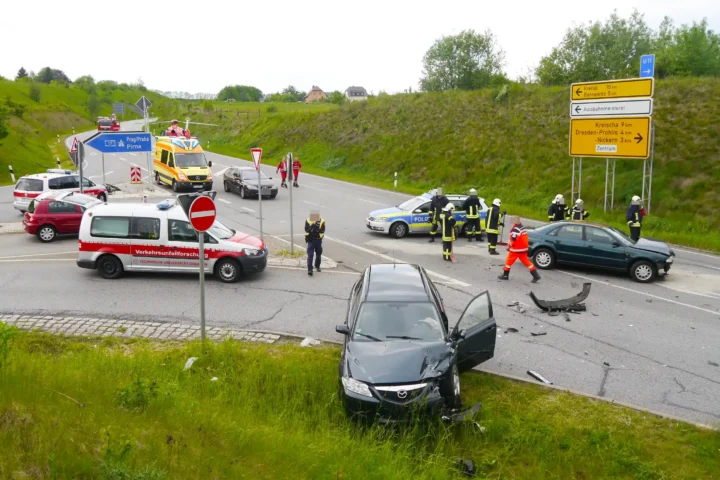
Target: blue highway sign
(120,142)
(647,66)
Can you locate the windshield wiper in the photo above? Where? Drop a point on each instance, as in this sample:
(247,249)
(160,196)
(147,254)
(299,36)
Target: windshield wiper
(403,337)
(368,336)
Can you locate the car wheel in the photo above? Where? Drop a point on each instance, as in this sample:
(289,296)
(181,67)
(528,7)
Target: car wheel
(398,230)
(109,267)
(450,388)
(242,192)
(463,231)
(226,187)
(544,259)
(643,271)
(175,186)
(46,233)
(102,197)
(273,195)
(228,270)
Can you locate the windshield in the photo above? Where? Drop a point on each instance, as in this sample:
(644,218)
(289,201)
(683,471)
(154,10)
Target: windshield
(82,200)
(408,204)
(380,321)
(190,160)
(105,123)
(29,185)
(220,231)
(250,175)
(623,237)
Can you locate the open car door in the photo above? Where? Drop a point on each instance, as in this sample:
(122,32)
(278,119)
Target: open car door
(478,328)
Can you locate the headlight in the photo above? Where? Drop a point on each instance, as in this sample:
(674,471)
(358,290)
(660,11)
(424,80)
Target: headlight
(253,252)
(251,187)
(669,260)
(354,386)
(382,219)
(182,177)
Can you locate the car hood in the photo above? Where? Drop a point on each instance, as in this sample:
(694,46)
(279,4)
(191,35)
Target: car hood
(246,239)
(385,211)
(397,361)
(653,246)
(265,182)
(196,170)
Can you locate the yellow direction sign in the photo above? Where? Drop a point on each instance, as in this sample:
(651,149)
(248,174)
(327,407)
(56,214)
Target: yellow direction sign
(626,137)
(609,89)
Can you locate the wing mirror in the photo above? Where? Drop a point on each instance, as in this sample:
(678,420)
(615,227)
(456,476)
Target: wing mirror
(616,244)
(458,335)
(342,329)
(209,163)
(417,210)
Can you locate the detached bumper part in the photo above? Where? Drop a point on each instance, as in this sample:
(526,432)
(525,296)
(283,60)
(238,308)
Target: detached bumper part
(572,303)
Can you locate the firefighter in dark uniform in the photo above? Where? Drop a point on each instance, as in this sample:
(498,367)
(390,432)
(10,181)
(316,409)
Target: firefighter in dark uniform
(634,217)
(562,212)
(493,226)
(553,208)
(578,212)
(447,227)
(471,205)
(437,204)
(314,233)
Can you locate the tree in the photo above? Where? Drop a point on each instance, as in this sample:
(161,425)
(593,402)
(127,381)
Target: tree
(240,93)
(4,117)
(93,105)
(337,97)
(86,82)
(21,74)
(686,51)
(293,95)
(466,61)
(598,51)
(47,75)
(34,93)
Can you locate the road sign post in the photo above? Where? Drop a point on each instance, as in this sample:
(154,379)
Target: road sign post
(647,66)
(81,160)
(102,155)
(288,167)
(257,157)
(202,215)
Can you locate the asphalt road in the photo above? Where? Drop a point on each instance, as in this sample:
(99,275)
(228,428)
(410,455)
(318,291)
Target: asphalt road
(654,345)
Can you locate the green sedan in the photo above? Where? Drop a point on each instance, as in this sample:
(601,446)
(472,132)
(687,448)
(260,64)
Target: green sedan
(599,246)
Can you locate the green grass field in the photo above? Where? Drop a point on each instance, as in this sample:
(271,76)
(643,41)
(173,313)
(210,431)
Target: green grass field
(113,409)
(514,147)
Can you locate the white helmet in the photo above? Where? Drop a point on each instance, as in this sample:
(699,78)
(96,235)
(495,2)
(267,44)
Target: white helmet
(578,201)
(557,197)
(636,200)
(497,202)
(449,207)
(473,192)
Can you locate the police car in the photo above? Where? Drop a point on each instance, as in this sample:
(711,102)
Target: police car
(413,216)
(54,180)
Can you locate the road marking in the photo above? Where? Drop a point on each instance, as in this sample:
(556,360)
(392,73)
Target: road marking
(39,260)
(133,154)
(370,201)
(220,172)
(39,255)
(136,165)
(224,201)
(697,253)
(638,291)
(396,260)
(311,203)
(305,270)
(248,209)
(106,173)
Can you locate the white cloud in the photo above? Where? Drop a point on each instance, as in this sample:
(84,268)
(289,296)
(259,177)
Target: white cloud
(202,46)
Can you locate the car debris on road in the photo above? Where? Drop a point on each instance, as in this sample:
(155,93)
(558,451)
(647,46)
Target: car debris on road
(568,304)
(539,377)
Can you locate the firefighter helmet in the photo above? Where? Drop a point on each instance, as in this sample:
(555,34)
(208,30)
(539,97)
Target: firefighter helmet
(636,200)
(560,200)
(497,202)
(449,207)
(578,201)
(473,192)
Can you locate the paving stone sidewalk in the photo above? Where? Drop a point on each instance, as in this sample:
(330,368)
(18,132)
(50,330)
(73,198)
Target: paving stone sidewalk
(12,227)
(102,327)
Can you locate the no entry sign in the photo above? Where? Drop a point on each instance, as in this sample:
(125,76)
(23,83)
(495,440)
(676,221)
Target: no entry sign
(202,213)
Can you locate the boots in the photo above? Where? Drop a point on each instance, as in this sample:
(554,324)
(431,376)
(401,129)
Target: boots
(432,239)
(470,237)
(535,275)
(505,275)
(283,185)
(295,184)
(493,251)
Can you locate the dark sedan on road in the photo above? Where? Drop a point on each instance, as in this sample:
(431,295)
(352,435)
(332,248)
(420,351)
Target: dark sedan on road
(244,180)
(399,357)
(599,246)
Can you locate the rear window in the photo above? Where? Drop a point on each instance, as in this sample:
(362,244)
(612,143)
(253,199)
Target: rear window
(110,227)
(105,123)
(29,185)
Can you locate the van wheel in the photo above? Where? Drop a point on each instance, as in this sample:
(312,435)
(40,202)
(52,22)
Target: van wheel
(643,271)
(175,186)
(102,197)
(228,270)
(157,178)
(110,267)
(46,233)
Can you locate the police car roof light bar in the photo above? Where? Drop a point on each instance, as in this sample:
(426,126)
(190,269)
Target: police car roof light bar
(59,170)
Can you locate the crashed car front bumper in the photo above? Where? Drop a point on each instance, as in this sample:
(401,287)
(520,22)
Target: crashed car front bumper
(385,406)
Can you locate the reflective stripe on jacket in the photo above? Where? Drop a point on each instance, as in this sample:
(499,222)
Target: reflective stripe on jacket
(312,233)
(472,206)
(493,223)
(634,216)
(447,225)
(551,211)
(518,239)
(576,214)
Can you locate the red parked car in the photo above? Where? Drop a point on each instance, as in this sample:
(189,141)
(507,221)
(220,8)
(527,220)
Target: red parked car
(52,214)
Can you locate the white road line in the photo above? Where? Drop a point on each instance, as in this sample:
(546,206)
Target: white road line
(135,155)
(396,260)
(696,253)
(638,291)
(38,255)
(311,203)
(248,209)
(224,201)
(106,174)
(220,172)
(305,270)
(136,165)
(370,201)
(39,260)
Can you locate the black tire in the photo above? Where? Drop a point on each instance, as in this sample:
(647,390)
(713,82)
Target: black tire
(463,230)
(228,270)
(110,267)
(157,178)
(226,187)
(102,197)
(273,195)
(175,186)
(643,271)
(207,187)
(243,193)
(450,388)
(544,259)
(398,230)
(46,233)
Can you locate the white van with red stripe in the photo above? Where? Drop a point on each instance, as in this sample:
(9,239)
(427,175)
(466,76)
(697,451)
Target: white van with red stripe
(159,238)
(55,180)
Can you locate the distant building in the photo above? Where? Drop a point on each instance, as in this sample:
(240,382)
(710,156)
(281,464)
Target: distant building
(355,94)
(230,100)
(315,95)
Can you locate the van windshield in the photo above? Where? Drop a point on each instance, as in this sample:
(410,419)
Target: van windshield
(184,160)
(221,231)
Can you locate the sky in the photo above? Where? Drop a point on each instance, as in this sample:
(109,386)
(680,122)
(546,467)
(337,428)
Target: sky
(202,46)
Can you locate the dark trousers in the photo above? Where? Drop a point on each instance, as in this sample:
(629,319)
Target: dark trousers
(434,227)
(492,240)
(635,233)
(314,249)
(473,227)
(447,251)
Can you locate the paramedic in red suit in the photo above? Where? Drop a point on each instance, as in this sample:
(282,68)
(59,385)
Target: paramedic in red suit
(282,168)
(296,166)
(518,250)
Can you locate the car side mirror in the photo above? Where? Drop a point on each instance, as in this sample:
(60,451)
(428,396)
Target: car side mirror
(458,335)
(616,244)
(417,210)
(342,329)
(209,163)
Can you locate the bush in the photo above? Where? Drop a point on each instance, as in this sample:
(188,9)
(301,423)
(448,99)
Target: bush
(137,395)
(272,109)
(34,93)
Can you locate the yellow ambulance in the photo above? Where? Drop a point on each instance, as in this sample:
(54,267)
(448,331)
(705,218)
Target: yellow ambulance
(180,162)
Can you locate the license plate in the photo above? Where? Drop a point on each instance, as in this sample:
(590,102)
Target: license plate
(197,185)
(24,200)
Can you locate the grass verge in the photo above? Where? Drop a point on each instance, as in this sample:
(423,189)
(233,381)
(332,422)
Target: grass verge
(127,409)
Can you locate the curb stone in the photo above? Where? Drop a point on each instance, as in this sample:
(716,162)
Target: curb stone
(12,227)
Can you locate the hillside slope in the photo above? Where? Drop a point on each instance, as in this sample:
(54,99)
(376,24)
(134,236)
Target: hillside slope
(514,147)
(32,143)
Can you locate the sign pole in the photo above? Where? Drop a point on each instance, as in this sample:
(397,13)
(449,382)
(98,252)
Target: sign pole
(201,236)
(612,192)
(607,171)
(579,180)
(652,158)
(103,165)
(260,203)
(572,191)
(81,157)
(290,187)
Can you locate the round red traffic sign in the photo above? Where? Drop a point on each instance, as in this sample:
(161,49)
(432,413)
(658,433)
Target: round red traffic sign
(202,213)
